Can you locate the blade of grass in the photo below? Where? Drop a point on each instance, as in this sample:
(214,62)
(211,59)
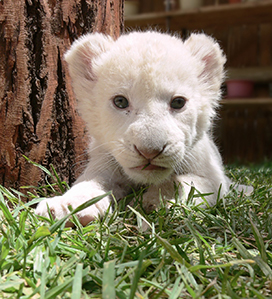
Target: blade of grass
(59,182)
(108,286)
(43,278)
(137,275)
(42,231)
(265,268)
(260,262)
(55,291)
(140,216)
(77,283)
(44,169)
(257,293)
(242,250)
(259,240)
(9,216)
(176,289)
(173,252)
(229,264)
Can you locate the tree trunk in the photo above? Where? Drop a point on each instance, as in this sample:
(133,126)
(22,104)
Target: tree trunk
(37,106)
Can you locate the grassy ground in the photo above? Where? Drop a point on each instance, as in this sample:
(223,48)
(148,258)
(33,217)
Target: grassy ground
(220,252)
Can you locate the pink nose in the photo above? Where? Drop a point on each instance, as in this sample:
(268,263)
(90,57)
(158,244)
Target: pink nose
(149,154)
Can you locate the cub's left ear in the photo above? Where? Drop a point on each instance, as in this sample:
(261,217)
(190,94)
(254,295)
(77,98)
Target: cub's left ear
(80,59)
(83,51)
(207,50)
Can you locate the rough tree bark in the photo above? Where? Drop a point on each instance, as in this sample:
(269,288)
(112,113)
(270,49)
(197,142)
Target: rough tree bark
(37,106)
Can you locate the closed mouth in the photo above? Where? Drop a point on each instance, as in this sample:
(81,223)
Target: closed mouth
(148,166)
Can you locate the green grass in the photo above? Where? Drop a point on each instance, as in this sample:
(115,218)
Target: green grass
(187,252)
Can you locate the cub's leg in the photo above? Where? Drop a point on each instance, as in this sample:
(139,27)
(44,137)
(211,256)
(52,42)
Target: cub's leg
(185,183)
(74,197)
(204,185)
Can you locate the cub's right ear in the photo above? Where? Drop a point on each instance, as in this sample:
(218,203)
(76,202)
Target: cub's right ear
(82,54)
(207,50)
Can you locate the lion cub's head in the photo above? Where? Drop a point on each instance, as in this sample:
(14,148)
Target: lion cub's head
(147,97)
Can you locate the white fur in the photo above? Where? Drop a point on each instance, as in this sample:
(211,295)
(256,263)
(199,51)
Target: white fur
(149,69)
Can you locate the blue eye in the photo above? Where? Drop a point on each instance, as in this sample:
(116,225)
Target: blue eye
(120,102)
(178,103)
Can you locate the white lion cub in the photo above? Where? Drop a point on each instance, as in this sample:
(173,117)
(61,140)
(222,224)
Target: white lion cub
(148,100)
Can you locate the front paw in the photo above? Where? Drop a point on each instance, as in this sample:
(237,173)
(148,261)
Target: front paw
(58,207)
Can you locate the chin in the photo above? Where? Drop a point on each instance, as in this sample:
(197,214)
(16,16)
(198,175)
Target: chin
(147,177)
